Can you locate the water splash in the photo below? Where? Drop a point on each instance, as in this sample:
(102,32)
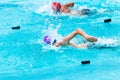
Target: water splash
(107,43)
(44,9)
(53,33)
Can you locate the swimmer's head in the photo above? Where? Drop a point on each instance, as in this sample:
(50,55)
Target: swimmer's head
(56,6)
(48,40)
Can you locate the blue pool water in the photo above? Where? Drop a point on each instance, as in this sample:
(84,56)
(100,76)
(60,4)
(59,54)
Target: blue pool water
(24,55)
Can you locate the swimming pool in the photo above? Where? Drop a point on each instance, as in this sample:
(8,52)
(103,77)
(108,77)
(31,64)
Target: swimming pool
(24,55)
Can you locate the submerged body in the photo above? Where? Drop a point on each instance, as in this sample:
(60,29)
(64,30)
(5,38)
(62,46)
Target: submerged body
(81,12)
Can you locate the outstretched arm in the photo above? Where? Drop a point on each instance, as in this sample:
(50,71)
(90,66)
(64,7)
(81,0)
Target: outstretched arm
(73,34)
(80,32)
(71,4)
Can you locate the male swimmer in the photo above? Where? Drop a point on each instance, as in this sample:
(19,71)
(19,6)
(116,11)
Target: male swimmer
(66,40)
(65,8)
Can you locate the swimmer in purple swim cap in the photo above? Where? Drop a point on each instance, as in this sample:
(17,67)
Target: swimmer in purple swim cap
(67,40)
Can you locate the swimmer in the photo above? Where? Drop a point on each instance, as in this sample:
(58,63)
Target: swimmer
(65,8)
(66,40)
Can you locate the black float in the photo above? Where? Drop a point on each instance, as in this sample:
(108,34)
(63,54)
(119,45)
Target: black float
(16,27)
(85,62)
(107,20)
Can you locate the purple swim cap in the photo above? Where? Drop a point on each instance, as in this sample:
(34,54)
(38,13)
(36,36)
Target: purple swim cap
(47,40)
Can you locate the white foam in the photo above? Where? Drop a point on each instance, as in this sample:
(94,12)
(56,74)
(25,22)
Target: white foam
(83,7)
(101,10)
(45,8)
(108,42)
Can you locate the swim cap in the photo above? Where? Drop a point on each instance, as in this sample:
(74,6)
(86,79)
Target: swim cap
(47,40)
(56,6)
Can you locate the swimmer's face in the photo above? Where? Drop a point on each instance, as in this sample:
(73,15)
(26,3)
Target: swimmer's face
(56,11)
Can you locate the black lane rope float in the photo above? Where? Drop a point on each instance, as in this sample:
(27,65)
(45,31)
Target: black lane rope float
(16,27)
(107,20)
(85,62)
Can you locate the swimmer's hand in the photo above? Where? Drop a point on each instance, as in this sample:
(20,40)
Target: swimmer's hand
(57,44)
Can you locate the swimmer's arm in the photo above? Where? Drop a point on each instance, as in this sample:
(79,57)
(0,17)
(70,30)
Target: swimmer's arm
(71,4)
(83,45)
